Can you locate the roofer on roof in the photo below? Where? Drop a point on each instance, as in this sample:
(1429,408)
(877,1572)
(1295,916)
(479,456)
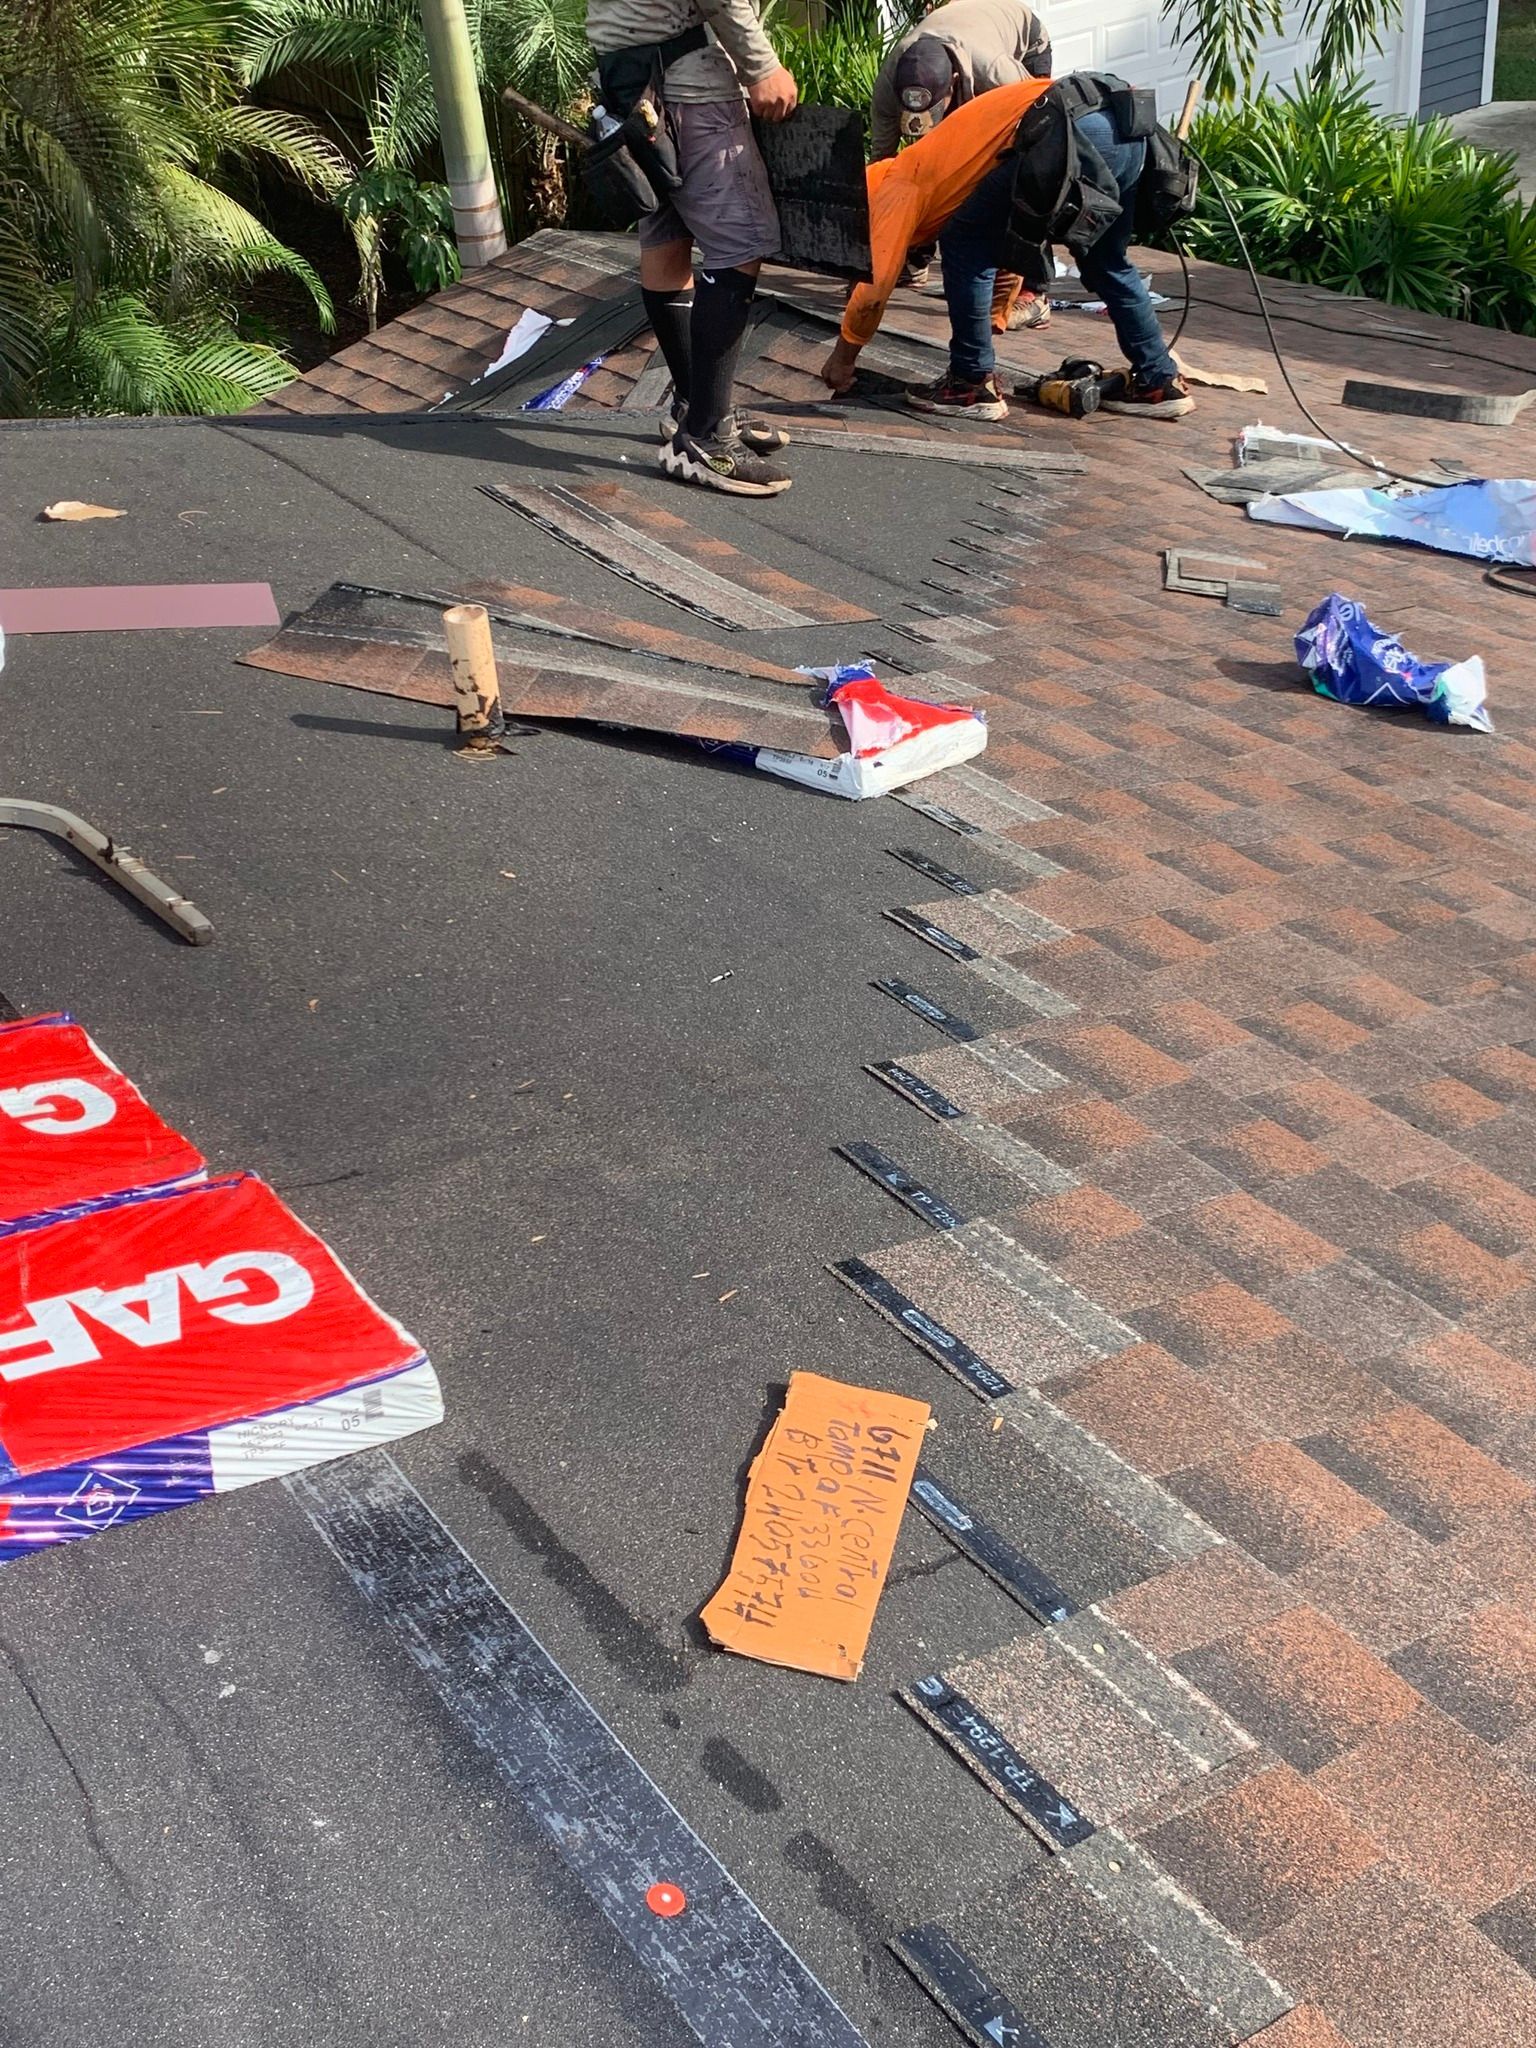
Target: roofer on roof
(695,59)
(963,183)
(944,61)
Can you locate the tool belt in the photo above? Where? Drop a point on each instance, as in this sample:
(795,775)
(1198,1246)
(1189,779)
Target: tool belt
(1062,188)
(633,170)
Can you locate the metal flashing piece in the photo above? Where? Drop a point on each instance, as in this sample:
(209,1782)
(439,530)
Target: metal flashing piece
(113,861)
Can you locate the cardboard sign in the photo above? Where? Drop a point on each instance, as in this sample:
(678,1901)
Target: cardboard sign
(72,1128)
(168,1313)
(824,1502)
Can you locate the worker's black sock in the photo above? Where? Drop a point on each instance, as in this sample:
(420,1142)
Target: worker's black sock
(669,314)
(722,304)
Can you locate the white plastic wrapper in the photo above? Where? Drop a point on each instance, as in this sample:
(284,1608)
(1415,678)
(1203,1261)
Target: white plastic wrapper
(892,740)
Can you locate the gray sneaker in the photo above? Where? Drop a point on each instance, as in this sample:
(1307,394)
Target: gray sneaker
(722,461)
(759,436)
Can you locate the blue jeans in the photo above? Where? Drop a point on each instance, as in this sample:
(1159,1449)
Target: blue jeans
(973,240)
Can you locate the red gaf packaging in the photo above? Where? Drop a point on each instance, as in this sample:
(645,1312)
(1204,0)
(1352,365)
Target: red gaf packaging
(72,1128)
(161,1314)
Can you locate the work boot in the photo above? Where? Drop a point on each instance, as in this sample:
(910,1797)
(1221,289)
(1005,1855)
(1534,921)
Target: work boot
(760,436)
(722,461)
(1165,398)
(961,397)
(1030,309)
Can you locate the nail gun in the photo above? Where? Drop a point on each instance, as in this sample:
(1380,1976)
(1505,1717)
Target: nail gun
(1075,389)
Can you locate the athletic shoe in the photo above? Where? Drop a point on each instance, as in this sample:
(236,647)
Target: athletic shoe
(1030,309)
(759,435)
(722,461)
(916,275)
(962,398)
(1166,401)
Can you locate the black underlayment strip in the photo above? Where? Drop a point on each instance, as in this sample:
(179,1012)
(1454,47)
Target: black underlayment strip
(734,1981)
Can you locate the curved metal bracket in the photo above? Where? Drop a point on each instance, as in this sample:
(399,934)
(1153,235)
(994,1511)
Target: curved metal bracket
(114,861)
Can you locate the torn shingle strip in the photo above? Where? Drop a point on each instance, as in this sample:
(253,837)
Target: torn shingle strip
(1036,1592)
(566,516)
(961,1992)
(716,558)
(930,1335)
(980,1744)
(896,1181)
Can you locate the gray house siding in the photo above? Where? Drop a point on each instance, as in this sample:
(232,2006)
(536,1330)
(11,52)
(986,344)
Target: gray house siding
(1455,35)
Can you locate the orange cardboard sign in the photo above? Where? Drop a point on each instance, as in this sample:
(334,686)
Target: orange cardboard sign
(824,1502)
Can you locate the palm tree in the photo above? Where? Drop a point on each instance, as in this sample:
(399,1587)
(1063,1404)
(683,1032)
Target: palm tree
(1223,37)
(125,146)
(363,63)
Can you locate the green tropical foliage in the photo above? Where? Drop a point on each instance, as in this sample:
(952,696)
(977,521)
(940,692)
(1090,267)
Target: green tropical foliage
(127,158)
(1223,37)
(1327,191)
(419,217)
(836,64)
(361,67)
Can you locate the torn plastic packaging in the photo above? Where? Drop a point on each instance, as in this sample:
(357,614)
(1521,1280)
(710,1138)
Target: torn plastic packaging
(891,740)
(1491,519)
(163,1337)
(1354,662)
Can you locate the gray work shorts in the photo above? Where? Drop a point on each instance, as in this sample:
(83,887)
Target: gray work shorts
(723,205)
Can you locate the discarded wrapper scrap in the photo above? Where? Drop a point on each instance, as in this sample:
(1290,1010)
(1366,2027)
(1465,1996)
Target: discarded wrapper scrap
(824,1502)
(1355,662)
(76,508)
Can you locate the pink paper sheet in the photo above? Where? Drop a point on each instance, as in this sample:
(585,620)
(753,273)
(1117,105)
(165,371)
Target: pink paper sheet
(126,607)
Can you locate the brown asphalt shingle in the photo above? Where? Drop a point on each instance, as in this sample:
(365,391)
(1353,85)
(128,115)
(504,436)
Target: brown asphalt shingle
(1300,1102)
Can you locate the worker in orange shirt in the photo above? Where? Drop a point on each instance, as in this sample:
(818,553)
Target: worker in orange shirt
(958,183)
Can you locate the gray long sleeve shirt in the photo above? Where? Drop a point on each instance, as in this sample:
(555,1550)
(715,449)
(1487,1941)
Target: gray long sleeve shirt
(739,51)
(989,40)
